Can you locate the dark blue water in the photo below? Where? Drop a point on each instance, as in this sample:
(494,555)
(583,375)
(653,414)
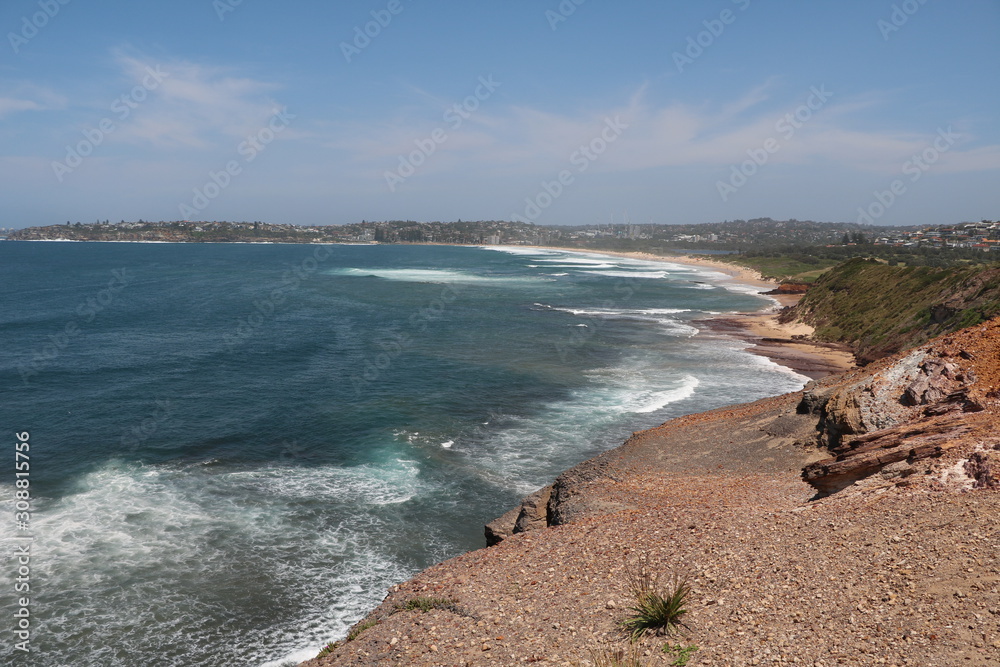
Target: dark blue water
(235,449)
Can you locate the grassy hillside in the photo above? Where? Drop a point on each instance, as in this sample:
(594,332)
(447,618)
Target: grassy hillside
(797,268)
(880,309)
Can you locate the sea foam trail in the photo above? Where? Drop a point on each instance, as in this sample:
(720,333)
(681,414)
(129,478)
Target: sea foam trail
(171,533)
(659,316)
(431,276)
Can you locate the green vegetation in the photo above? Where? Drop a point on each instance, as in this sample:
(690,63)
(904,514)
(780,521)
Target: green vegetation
(359,628)
(796,268)
(893,255)
(880,309)
(658,608)
(681,653)
(351,636)
(392,231)
(425,604)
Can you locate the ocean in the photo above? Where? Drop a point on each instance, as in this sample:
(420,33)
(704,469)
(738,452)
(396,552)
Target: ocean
(236,449)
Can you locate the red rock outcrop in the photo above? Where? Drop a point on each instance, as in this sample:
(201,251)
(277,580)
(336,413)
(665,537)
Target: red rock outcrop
(789,288)
(907,408)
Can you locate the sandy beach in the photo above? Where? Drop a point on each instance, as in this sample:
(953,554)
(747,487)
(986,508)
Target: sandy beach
(787,344)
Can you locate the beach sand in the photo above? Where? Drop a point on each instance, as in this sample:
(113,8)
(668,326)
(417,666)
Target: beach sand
(787,344)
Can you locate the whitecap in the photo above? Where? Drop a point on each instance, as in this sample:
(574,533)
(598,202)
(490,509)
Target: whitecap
(632,274)
(439,276)
(170,531)
(652,401)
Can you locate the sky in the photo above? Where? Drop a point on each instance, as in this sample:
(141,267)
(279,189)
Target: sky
(557,113)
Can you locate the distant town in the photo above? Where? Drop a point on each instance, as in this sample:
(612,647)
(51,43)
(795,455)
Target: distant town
(731,235)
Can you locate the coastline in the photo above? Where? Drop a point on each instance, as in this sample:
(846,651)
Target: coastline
(788,345)
(776,573)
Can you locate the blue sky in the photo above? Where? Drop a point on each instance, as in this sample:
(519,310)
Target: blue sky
(556,113)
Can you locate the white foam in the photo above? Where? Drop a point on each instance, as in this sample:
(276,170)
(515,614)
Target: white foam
(624,267)
(515,250)
(390,484)
(527,451)
(752,290)
(657,400)
(171,533)
(632,274)
(612,312)
(565,264)
(432,276)
(407,275)
(295,657)
(659,316)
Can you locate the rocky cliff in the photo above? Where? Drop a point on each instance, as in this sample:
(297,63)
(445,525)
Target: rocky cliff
(894,414)
(854,522)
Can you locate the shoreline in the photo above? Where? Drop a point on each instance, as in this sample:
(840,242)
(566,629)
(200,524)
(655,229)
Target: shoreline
(767,337)
(788,345)
(720,499)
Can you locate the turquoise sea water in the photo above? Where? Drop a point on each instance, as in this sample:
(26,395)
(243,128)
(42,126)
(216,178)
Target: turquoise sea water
(235,449)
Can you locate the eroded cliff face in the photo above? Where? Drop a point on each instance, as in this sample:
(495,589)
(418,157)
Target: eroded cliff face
(909,408)
(889,421)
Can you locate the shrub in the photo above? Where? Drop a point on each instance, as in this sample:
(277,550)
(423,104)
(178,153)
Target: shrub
(681,653)
(359,628)
(351,636)
(425,604)
(658,608)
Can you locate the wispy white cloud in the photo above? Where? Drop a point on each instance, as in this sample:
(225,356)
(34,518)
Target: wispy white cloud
(29,97)
(192,105)
(9,105)
(524,139)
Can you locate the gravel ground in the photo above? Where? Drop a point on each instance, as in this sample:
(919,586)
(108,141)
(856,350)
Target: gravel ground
(891,576)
